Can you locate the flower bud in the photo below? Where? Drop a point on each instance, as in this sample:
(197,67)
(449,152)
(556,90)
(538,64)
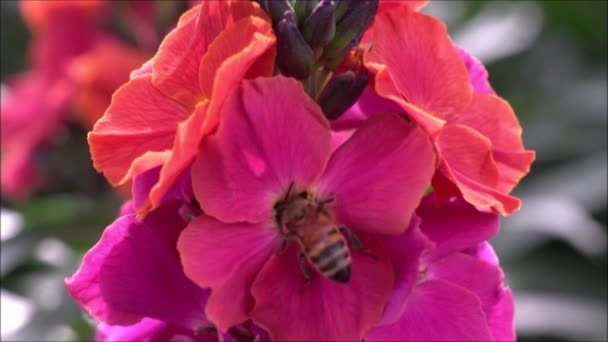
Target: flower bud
(319,28)
(303,8)
(349,29)
(341,7)
(341,93)
(277,8)
(294,57)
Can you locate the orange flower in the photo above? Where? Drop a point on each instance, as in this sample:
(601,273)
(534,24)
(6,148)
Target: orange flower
(161,116)
(477,136)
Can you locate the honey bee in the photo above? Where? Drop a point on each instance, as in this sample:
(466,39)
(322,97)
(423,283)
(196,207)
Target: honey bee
(303,218)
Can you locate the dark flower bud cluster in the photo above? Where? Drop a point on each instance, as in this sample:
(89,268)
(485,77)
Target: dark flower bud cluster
(313,38)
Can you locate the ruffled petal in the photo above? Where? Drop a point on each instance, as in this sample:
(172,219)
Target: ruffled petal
(325,310)
(468,162)
(455,226)
(178,62)
(494,118)
(437,311)
(246,50)
(379,175)
(140,119)
(417,66)
(84,285)
(271,134)
(226,258)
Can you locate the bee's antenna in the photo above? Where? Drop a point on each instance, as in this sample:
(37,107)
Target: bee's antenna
(288,191)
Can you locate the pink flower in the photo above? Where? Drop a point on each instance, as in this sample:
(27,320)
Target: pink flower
(273,138)
(449,285)
(134,271)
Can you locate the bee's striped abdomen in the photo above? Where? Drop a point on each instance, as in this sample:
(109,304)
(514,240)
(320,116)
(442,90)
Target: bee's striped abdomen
(330,255)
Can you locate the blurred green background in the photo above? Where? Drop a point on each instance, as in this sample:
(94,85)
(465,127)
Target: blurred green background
(548,58)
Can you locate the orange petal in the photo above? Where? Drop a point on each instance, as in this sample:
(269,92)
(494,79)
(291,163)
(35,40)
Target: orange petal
(140,119)
(417,66)
(246,49)
(469,163)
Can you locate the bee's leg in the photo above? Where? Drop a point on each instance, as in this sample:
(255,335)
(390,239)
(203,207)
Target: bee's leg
(356,243)
(305,270)
(286,237)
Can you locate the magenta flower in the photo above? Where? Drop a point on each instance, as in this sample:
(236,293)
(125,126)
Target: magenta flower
(448,284)
(134,271)
(274,141)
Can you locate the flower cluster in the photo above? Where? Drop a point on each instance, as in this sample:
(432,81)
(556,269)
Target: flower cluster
(305,170)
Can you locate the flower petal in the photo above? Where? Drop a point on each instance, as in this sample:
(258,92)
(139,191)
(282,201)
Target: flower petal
(272,133)
(494,118)
(142,274)
(140,119)
(84,285)
(455,226)
(437,311)
(405,250)
(477,72)
(501,320)
(479,277)
(150,330)
(325,310)
(417,66)
(226,258)
(379,175)
(247,50)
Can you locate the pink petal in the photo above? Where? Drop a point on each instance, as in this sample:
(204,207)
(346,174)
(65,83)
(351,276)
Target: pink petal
(272,133)
(477,72)
(149,330)
(143,183)
(501,320)
(226,258)
(325,310)
(379,175)
(368,104)
(437,311)
(405,250)
(84,285)
(479,277)
(455,226)
(142,274)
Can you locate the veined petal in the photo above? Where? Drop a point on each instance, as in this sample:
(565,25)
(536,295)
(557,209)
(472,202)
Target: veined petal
(226,258)
(494,118)
(417,66)
(271,134)
(379,175)
(140,119)
(325,310)
(468,162)
(437,311)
